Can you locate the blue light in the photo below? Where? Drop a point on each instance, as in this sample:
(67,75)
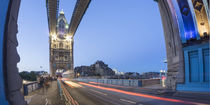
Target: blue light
(189,26)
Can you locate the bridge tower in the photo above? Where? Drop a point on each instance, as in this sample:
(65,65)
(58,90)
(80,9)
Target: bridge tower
(61,47)
(61,35)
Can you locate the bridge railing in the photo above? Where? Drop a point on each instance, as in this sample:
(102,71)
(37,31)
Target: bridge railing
(123,82)
(64,92)
(30,87)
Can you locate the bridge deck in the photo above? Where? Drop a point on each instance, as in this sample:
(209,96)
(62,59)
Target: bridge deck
(45,96)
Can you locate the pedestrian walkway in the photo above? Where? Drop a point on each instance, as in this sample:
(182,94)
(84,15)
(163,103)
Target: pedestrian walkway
(155,86)
(45,96)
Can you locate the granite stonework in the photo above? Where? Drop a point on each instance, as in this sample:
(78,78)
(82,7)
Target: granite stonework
(175,58)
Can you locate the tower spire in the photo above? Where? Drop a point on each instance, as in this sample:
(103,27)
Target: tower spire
(61,12)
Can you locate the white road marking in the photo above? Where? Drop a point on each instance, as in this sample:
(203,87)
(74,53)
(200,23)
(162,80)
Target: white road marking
(46,101)
(128,101)
(29,98)
(98,92)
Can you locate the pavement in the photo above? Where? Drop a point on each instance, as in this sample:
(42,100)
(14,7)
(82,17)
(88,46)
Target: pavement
(45,96)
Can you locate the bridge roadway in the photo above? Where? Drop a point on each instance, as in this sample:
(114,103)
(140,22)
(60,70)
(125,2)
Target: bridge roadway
(103,94)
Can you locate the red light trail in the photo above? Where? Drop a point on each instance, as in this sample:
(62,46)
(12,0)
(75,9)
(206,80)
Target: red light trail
(141,95)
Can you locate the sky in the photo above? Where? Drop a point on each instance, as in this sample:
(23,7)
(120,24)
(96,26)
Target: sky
(128,36)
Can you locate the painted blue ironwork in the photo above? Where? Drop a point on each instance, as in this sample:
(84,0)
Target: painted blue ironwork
(193,18)
(197,71)
(60,89)
(193,66)
(174,8)
(189,25)
(206,65)
(3,8)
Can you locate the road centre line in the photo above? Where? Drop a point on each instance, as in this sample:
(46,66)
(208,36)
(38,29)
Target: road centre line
(98,92)
(128,101)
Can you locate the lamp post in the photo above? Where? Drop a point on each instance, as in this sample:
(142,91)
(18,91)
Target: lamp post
(163,74)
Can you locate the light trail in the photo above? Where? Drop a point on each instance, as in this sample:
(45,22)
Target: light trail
(72,84)
(117,85)
(142,95)
(68,84)
(109,85)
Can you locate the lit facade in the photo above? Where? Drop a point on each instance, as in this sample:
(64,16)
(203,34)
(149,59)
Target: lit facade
(61,45)
(62,35)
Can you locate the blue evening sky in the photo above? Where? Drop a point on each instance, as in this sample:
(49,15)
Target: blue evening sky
(125,34)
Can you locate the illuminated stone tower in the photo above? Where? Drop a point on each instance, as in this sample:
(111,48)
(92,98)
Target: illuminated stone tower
(61,35)
(61,46)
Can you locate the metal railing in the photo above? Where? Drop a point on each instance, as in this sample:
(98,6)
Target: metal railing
(30,87)
(64,92)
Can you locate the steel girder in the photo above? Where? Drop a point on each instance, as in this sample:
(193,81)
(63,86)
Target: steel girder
(79,11)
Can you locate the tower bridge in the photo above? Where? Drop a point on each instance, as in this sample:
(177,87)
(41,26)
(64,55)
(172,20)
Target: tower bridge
(186,26)
(186,30)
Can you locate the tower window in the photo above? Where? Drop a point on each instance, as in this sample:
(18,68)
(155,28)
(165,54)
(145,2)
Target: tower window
(61,45)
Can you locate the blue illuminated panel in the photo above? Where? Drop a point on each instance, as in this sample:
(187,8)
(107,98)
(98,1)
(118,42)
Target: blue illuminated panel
(190,32)
(197,71)
(206,65)
(177,18)
(194,66)
(3,10)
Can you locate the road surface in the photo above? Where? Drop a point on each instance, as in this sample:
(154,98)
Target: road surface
(103,94)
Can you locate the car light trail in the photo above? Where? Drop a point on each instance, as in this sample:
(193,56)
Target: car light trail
(117,85)
(142,95)
(72,84)
(108,84)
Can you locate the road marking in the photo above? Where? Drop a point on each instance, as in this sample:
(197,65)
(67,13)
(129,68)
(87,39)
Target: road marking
(28,98)
(98,92)
(46,101)
(128,101)
(142,95)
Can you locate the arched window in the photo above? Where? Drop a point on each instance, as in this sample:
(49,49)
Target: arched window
(61,45)
(62,26)
(54,45)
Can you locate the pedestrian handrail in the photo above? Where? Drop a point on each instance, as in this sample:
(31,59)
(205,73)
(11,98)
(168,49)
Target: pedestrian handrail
(30,87)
